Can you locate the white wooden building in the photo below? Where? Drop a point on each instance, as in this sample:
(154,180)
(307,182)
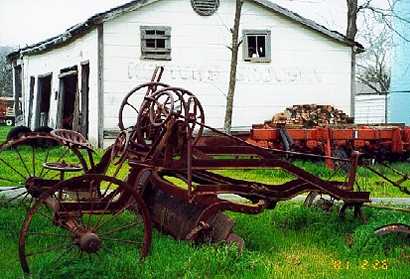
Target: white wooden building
(78,79)
(370,105)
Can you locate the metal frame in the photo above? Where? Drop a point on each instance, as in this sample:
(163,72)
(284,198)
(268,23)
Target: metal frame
(167,141)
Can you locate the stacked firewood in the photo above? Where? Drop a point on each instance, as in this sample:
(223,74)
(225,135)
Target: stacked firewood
(312,116)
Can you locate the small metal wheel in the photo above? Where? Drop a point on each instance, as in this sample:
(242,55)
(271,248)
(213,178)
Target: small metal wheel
(316,199)
(161,107)
(92,217)
(32,161)
(195,117)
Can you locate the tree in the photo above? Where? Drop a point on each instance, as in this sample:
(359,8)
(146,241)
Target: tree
(378,28)
(373,68)
(6,87)
(374,65)
(352,12)
(234,63)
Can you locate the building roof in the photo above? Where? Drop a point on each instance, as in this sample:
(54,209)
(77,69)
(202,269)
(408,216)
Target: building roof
(80,29)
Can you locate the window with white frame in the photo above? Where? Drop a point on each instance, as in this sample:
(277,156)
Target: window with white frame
(156,42)
(257,45)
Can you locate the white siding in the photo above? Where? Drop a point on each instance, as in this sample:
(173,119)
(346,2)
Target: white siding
(370,109)
(306,67)
(81,50)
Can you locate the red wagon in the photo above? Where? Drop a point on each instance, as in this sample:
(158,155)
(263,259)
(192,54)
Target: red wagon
(381,142)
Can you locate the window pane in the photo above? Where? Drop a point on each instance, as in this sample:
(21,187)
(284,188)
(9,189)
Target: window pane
(156,42)
(261,46)
(251,46)
(150,43)
(160,43)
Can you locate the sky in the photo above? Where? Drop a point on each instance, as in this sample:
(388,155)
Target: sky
(42,19)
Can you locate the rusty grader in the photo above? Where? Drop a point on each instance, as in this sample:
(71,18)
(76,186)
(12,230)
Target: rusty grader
(169,181)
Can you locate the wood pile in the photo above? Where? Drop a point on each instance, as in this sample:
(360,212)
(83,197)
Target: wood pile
(311,115)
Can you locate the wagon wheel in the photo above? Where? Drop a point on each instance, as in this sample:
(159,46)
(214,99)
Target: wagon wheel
(161,108)
(154,113)
(83,225)
(36,158)
(195,117)
(316,199)
(131,103)
(188,107)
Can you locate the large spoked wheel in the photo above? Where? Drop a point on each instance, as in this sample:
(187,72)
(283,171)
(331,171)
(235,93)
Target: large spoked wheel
(155,112)
(92,217)
(188,108)
(129,109)
(31,161)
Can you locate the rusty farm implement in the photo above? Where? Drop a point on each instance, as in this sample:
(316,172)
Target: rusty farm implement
(160,171)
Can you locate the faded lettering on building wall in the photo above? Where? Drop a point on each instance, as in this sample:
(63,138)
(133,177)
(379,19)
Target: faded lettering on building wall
(246,74)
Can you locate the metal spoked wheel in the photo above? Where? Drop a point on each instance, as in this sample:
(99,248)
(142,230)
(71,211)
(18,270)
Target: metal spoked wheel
(190,110)
(316,199)
(92,217)
(130,106)
(161,108)
(35,157)
(195,117)
(154,114)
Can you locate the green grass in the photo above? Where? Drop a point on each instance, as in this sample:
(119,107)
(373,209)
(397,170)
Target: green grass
(3,132)
(366,180)
(288,242)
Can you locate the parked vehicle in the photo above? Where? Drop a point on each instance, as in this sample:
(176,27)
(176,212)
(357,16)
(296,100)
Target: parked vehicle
(7,111)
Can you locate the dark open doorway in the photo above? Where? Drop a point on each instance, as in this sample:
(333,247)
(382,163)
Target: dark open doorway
(18,82)
(30,100)
(85,76)
(68,100)
(43,101)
